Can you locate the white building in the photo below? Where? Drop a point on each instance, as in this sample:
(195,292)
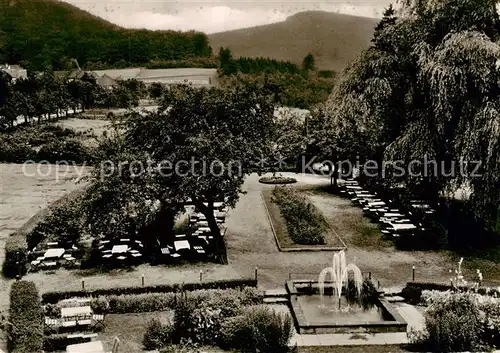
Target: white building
(195,76)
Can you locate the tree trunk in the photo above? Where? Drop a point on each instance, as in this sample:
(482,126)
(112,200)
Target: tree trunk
(220,244)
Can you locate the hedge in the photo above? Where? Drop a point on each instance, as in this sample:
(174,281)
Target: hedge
(148,302)
(59,342)
(55,297)
(17,241)
(26,319)
(16,250)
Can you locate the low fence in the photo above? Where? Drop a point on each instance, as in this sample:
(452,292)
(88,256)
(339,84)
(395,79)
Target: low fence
(313,277)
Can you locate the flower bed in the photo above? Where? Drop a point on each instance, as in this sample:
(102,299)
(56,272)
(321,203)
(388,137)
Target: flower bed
(304,223)
(276,180)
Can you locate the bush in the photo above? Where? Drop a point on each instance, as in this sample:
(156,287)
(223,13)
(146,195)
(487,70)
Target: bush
(16,256)
(55,297)
(453,323)
(52,311)
(64,224)
(277,180)
(258,329)
(70,150)
(59,342)
(26,318)
(157,335)
(199,316)
(305,224)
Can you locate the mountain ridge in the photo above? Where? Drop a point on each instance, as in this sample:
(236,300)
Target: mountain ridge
(334,39)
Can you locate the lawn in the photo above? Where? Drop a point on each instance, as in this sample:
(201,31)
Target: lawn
(280,228)
(130,329)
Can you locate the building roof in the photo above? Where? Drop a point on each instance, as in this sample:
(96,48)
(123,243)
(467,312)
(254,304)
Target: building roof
(123,74)
(106,81)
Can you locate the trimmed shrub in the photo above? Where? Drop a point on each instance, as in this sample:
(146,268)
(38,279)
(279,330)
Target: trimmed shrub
(55,297)
(259,329)
(157,335)
(305,224)
(26,318)
(16,256)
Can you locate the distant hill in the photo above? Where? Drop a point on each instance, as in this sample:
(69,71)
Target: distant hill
(334,39)
(38,33)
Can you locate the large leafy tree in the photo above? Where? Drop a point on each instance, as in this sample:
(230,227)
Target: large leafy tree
(428,87)
(198,147)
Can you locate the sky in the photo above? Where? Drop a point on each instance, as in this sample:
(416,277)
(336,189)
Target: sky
(212,16)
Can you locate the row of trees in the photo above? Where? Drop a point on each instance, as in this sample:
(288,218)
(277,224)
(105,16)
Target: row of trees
(39,96)
(289,84)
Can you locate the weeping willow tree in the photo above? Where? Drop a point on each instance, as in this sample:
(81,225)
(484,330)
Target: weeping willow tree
(427,94)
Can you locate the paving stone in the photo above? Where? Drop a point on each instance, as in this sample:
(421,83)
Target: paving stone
(310,340)
(278,292)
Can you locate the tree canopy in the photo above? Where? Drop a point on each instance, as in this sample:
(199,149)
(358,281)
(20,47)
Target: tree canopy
(197,147)
(428,87)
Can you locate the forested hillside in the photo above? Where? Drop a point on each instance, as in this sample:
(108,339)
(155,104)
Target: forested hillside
(45,33)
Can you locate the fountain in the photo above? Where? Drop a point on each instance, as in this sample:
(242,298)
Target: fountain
(349,310)
(340,276)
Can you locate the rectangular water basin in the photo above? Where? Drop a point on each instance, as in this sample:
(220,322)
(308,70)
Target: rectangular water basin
(316,315)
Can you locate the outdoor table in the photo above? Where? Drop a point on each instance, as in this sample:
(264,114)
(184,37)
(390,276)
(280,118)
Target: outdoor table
(121,258)
(353,187)
(76,311)
(201,217)
(54,253)
(52,243)
(181,244)
(376,203)
(89,347)
(119,249)
(136,255)
(388,215)
(204,229)
(202,224)
(107,256)
(404,226)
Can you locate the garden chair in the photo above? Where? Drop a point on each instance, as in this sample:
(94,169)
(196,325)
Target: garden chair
(34,265)
(98,321)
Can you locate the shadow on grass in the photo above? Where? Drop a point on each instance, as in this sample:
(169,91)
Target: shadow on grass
(94,271)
